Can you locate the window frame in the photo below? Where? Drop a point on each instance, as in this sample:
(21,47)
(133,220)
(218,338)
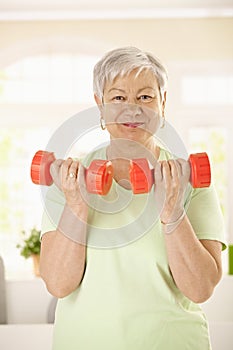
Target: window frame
(185,117)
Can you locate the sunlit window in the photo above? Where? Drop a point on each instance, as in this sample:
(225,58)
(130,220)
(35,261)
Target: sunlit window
(207,90)
(214,142)
(21,206)
(48,79)
(44,79)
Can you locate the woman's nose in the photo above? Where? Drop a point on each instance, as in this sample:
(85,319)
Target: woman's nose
(134,109)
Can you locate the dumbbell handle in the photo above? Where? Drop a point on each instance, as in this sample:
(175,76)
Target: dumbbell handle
(98,176)
(142,177)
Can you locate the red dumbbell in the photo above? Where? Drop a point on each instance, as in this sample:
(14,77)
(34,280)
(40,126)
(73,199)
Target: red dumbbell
(142,177)
(98,176)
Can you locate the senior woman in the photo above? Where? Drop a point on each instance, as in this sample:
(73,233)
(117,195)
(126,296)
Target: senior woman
(140,292)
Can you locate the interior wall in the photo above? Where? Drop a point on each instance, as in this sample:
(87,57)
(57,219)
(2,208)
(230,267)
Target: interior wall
(172,40)
(169,39)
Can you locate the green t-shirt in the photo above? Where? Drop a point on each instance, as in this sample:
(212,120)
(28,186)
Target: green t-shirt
(127,299)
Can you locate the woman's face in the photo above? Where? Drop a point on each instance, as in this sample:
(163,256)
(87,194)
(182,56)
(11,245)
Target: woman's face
(132,106)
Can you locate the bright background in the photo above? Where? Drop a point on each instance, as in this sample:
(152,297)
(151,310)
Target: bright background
(47,53)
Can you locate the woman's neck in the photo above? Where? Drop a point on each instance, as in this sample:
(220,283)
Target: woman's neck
(120,152)
(128,149)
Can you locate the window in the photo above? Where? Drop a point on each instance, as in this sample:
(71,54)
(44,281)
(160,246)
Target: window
(207,90)
(48,79)
(21,207)
(44,80)
(205,105)
(200,102)
(213,141)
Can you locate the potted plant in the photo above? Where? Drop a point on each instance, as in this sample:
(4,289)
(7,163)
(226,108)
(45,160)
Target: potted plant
(30,247)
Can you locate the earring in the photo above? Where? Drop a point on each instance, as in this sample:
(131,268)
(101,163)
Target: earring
(163,122)
(102,123)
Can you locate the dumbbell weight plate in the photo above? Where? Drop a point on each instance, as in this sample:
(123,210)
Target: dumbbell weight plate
(200,170)
(99,177)
(40,168)
(140,176)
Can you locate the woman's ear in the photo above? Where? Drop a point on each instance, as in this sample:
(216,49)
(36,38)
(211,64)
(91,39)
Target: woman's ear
(164,102)
(98,102)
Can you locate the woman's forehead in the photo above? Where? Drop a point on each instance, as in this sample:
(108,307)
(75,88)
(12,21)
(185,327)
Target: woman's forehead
(136,77)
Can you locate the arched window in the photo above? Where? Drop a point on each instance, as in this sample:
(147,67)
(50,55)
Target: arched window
(31,90)
(48,79)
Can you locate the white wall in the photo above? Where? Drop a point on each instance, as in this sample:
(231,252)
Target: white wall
(27,301)
(170,39)
(174,41)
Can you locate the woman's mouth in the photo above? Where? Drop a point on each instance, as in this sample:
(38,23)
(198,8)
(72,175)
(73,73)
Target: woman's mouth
(132,125)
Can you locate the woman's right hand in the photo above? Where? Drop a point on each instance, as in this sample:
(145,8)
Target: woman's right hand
(61,171)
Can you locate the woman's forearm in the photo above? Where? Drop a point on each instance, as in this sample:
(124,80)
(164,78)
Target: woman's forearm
(194,269)
(63,253)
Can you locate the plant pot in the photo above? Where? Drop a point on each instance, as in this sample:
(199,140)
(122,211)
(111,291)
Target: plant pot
(230,259)
(36,264)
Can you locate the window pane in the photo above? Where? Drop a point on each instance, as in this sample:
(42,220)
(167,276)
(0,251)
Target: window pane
(61,90)
(11,91)
(21,205)
(83,82)
(63,78)
(208,90)
(61,66)
(214,142)
(35,67)
(35,91)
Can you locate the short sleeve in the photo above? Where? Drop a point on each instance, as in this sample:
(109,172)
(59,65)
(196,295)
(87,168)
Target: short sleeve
(205,215)
(53,208)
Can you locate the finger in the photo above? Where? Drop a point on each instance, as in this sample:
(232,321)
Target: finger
(158,173)
(55,167)
(81,176)
(73,169)
(166,172)
(175,169)
(185,167)
(65,168)
(58,162)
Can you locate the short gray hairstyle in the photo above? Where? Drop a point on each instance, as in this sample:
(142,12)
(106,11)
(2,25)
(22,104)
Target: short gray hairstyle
(123,61)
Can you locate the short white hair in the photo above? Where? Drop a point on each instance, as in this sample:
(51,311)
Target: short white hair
(123,61)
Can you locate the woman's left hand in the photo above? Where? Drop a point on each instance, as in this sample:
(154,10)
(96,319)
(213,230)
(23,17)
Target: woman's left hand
(171,180)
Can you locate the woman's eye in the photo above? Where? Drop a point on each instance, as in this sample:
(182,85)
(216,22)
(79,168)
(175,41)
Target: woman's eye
(118,98)
(145,98)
